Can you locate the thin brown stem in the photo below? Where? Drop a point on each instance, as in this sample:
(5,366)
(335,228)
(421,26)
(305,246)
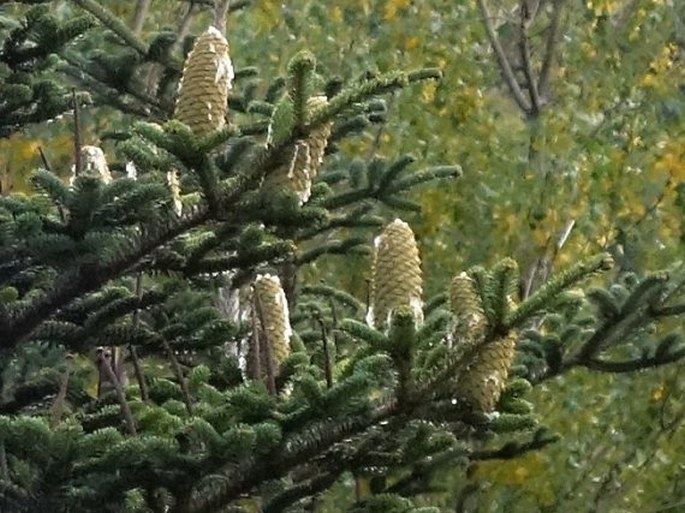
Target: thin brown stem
(48,167)
(137,369)
(550,47)
(326,356)
(524,48)
(57,409)
(265,346)
(220,13)
(77,134)
(180,376)
(112,22)
(503,60)
(139,14)
(106,368)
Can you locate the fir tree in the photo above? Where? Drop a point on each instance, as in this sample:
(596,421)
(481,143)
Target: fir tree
(174,271)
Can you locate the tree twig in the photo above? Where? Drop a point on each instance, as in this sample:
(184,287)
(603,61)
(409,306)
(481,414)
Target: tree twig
(326,356)
(524,48)
(78,166)
(138,19)
(220,13)
(550,48)
(137,369)
(126,413)
(180,376)
(503,60)
(57,409)
(113,23)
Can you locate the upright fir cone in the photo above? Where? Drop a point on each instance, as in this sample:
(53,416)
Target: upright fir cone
(202,100)
(271,327)
(304,158)
(470,324)
(93,163)
(481,383)
(397,279)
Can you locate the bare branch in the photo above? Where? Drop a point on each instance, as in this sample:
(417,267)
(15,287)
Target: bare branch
(113,23)
(524,48)
(220,13)
(106,368)
(550,48)
(502,60)
(138,19)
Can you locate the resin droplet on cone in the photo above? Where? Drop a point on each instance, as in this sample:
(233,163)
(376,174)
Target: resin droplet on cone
(397,279)
(202,100)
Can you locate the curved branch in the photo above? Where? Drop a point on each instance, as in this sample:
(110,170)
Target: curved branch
(631,365)
(113,23)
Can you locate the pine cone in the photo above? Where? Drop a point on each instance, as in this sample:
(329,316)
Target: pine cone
(93,163)
(397,279)
(470,323)
(202,101)
(271,322)
(482,382)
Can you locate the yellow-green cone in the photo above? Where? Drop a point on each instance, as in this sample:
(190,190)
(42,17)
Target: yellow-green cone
(304,159)
(481,383)
(271,322)
(397,279)
(470,323)
(207,78)
(93,163)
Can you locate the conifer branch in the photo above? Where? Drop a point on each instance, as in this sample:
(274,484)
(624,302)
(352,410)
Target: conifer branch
(87,278)
(513,450)
(637,364)
(113,23)
(296,452)
(557,284)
